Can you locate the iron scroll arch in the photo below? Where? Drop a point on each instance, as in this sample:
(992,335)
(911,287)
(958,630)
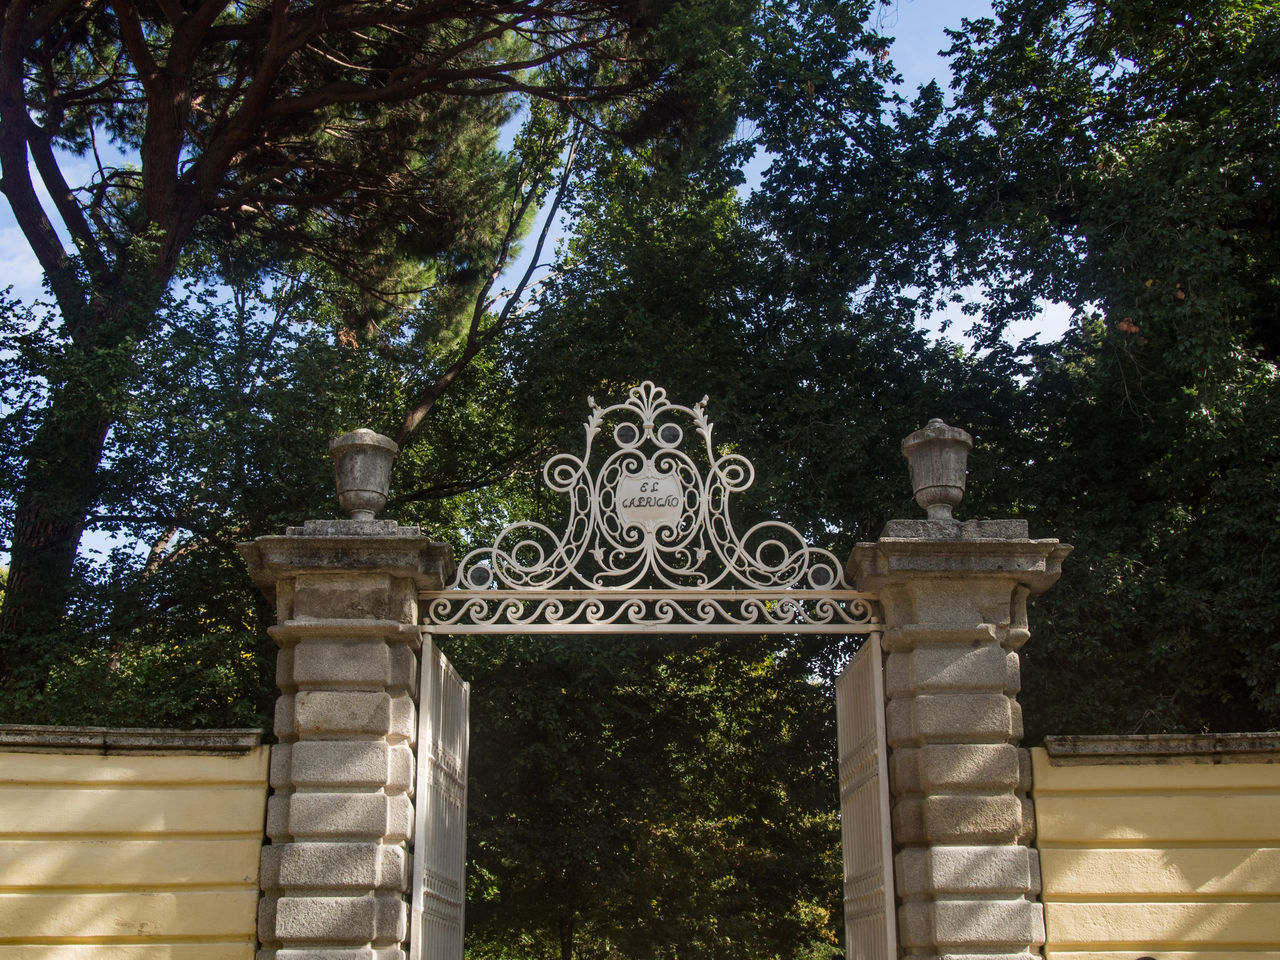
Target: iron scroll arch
(649,545)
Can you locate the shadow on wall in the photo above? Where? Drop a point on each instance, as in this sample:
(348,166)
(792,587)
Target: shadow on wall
(1158,845)
(142,838)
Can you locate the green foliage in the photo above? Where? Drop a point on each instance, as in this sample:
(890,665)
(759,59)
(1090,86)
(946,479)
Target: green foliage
(355,144)
(1120,159)
(646,796)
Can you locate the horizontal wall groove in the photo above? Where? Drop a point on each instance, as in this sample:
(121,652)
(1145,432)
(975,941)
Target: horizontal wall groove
(1173,860)
(62,890)
(1176,899)
(159,833)
(149,942)
(1155,844)
(1161,790)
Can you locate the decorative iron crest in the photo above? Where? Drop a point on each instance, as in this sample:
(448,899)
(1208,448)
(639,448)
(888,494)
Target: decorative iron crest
(650,515)
(649,543)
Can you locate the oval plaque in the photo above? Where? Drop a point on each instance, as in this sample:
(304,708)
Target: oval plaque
(649,500)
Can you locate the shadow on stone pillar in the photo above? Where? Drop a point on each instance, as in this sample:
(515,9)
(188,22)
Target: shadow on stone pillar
(954,598)
(335,874)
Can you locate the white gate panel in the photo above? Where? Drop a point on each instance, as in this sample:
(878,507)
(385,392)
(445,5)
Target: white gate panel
(440,819)
(869,917)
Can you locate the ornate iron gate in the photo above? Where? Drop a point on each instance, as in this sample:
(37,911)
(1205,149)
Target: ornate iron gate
(440,828)
(869,923)
(648,547)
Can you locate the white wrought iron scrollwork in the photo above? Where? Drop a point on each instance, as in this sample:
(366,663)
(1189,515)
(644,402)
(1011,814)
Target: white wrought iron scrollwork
(649,544)
(649,611)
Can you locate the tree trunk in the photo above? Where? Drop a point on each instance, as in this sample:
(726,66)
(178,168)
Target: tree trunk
(61,481)
(566,937)
(59,489)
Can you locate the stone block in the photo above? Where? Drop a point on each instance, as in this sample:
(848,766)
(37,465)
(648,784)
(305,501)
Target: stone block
(907,818)
(956,529)
(952,767)
(361,664)
(344,596)
(933,668)
(277,827)
(956,718)
(343,865)
(971,925)
(926,872)
(368,664)
(339,714)
(284,599)
(402,673)
(269,866)
(341,920)
(267,920)
(904,771)
(284,669)
(907,635)
(1012,673)
(1024,770)
(355,816)
(344,763)
(333,866)
(285,728)
(280,768)
(1027,834)
(968,766)
(963,819)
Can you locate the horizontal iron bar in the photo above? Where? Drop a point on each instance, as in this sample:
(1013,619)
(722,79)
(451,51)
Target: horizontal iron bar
(614,595)
(687,629)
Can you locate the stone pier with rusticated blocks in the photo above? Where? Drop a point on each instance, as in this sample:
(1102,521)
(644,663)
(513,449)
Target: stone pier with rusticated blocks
(953,596)
(335,875)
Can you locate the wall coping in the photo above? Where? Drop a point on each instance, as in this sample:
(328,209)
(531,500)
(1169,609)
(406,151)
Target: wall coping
(39,738)
(1164,748)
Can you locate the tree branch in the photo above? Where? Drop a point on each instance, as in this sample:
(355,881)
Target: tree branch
(504,470)
(15,176)
(478,339)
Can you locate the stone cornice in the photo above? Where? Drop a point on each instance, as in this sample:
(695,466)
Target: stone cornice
(350,546)
(1163,748)
(950,550)
(38,738)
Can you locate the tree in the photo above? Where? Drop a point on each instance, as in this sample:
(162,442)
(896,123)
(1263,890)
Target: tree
(661,842)
(357,134)
(1121,158)
(223,440)
(650,796)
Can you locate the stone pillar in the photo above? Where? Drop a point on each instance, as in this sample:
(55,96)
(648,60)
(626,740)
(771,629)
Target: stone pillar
(335,875)
(954,598)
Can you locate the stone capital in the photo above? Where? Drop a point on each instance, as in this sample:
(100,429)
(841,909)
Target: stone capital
(909,549)
(349,547)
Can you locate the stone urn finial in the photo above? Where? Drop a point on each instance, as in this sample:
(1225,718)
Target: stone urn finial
(362,463)
(937,456)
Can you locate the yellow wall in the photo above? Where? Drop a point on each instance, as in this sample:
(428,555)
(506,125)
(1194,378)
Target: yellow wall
(1178,859)
(121,857)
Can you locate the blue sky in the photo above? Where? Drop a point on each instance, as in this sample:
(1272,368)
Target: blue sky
(918,27)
